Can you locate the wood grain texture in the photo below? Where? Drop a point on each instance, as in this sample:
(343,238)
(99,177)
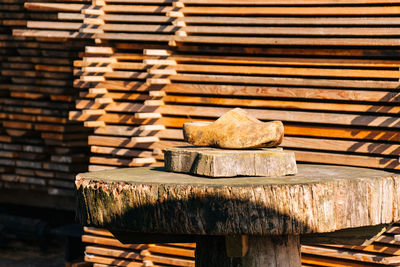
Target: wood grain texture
(352,197)
(230,163)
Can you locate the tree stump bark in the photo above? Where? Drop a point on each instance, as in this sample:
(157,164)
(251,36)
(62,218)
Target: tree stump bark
(271,251)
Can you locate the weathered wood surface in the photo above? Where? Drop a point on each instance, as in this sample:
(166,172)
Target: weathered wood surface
(318,199)
(213,162)
(271,251)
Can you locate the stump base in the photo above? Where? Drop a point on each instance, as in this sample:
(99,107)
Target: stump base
(272,251)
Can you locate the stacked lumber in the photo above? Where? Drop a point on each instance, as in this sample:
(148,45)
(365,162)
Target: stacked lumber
(385,251)
(336,110)
(120,84)
(329,69)
(41,150)
(104,250)
(330,73)
(120,100)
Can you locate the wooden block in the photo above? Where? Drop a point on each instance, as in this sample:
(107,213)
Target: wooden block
(212,162)
(167,62)
(147,115)
(99,50)
(156,52)
(157,93)
(99,2)
(145,139)
(93,111)
(99,91)
(155,81)
(152,127)
(178,4)
(179,23)
(97,69)
(175,14)
(93,21)
(94,124)
(162,71)
(91,30)
(181,33)
(92,78)
(104,100)
(95,12)
(153,102)
(91,60)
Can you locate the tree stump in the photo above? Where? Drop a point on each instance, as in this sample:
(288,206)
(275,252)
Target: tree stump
(272,212)
(271,251)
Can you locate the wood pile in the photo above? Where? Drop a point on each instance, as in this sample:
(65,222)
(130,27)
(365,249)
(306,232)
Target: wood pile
(104,250)
(328,69)
(41,150)
(385,251)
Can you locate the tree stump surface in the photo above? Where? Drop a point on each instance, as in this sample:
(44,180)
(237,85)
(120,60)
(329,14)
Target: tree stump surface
(214,162)
(318,199)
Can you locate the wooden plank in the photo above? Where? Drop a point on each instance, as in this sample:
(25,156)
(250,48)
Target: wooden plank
(121,152)
(260,2)
(306,11)
(114,253)
(328,262)
(338,145)
(343,254)
(281,40)
(110,242)
(290,2)
(167,260)
(292,20)
(170,250)
(293,61)
(294,31)
(54,6)
(375,248)
(284,115)
(285,71)
(287,92)
(111,261)
(118,18)
(336,131)
(287,81)
(97,231)
(202,100)
(128,143)
(122,130)
(136,162)
(347,160)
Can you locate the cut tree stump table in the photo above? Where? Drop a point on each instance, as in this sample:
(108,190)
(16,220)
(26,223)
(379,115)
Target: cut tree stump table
(260,217)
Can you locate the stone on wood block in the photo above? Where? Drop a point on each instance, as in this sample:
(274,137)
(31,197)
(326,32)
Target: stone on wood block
(214,162)
(234,130)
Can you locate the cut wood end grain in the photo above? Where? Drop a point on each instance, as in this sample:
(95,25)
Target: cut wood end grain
(91,124)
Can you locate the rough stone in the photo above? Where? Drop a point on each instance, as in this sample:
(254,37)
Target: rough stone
(214,162)
(234,130)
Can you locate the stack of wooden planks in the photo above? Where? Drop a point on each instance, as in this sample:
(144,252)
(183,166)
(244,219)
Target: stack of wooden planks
(385,251)
(104,250)
(41,150)
(329,69)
